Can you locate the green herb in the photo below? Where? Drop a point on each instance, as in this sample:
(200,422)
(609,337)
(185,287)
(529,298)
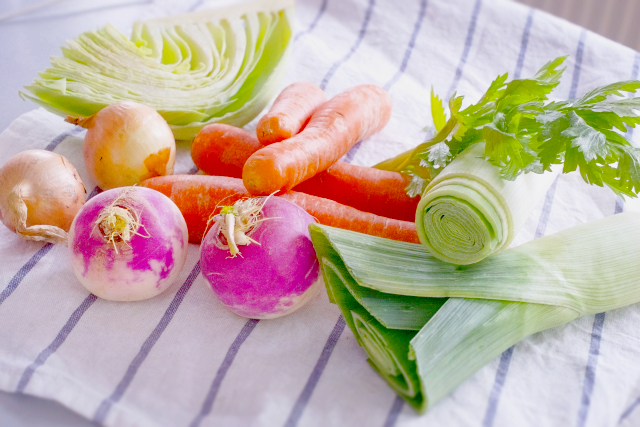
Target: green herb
(525,132)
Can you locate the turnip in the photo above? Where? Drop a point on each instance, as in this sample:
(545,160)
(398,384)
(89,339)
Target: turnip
(277,270)
(128,244)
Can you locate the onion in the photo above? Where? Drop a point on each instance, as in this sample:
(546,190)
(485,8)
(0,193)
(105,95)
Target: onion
(40,193)
(128,244)
(125,144)
(277,270)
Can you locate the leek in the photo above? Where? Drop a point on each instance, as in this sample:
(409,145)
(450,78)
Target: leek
(477,311)
(468,212)
(222,65)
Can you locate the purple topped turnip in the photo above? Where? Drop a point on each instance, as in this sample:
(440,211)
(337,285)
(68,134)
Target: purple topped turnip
(277,270)
(128,244)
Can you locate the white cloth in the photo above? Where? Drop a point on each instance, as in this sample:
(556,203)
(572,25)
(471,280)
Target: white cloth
(182,358)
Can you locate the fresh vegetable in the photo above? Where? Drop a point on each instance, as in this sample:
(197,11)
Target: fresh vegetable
(222,65)
(290,112)
(40,193)
(125,144)
(276,270)
(425,349)
(333,129)
(128,244)
(468,212)
(199,196)
(524,132)
(220,149)
(364,188)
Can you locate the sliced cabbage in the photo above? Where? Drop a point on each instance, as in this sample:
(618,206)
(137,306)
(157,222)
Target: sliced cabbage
(221,65)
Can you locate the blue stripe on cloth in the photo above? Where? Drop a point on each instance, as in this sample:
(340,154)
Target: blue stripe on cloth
(505,358)
(619,205)
(104,408)
(209,400)
(629,410)
(26,268)
(467,47)
(412,42)
(307,391)
(405,60)
(195,5)
(594,351)
(56,343)
(590,374)
(496,390)
(361,34)
(64,135)
(524,43)
(394,412)
(634,76)
(578,65)
(323,7)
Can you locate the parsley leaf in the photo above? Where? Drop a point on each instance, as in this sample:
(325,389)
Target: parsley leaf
(524,132)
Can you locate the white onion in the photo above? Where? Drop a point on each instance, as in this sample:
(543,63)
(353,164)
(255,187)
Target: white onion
(125,144)
(40,194)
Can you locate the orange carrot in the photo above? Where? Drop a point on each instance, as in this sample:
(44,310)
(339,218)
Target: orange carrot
(198,196)
(222,150)
(333,129)
(367,189)
(290,112)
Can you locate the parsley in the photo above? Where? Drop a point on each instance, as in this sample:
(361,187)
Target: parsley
(524,132)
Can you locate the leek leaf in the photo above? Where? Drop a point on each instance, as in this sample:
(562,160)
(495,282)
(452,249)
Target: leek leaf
(491,305)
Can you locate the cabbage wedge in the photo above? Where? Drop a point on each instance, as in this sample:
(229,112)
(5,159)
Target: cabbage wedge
(427,325)
(221,65)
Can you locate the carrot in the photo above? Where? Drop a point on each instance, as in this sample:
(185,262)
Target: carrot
(222,150)
(332,213)
(364,188)
(198,196)
(333,129)
(290,112)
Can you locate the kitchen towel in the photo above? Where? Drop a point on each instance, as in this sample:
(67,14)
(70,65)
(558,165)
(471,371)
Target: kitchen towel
(182,359)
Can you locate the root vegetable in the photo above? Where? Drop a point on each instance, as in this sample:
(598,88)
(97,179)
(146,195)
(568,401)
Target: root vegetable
(125,144)
(40,194)
(128,244)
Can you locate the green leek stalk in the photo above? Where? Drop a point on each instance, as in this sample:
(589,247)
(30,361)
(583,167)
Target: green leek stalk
(220,65)
(444,322)
(469,212)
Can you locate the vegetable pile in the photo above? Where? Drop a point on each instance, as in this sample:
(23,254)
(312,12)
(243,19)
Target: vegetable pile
(222,65)
(427,284)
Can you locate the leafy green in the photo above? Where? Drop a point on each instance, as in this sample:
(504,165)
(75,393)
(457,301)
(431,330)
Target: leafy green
(221,65)
(524,132)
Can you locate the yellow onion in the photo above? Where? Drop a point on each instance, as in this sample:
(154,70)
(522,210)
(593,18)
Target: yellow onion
(125,144)
(40,194)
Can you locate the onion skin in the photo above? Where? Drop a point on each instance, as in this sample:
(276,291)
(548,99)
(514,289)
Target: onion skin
(140,269)
(125,144)
(268,280)
(40,194)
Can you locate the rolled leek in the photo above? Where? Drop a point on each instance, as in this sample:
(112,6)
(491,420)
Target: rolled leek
(220,65)
(469,211)
(491,306)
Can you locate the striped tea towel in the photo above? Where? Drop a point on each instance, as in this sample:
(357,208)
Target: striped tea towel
(182,359)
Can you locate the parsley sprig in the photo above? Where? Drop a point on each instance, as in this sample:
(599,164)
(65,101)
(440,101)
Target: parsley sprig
(525,132)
